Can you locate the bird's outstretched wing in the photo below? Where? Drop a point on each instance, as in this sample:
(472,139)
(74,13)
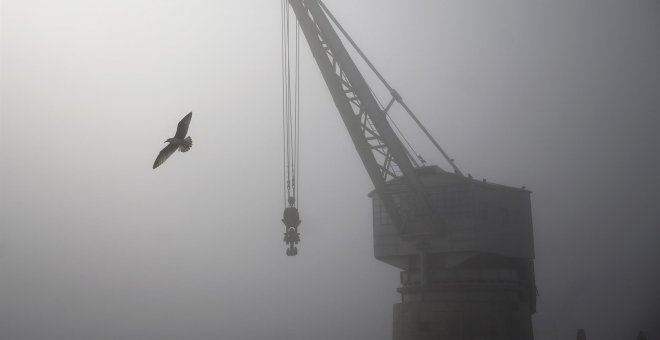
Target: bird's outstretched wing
(165,153)
(182,128)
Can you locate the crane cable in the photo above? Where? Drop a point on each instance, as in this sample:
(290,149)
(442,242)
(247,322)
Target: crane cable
(290,108)
(290,131)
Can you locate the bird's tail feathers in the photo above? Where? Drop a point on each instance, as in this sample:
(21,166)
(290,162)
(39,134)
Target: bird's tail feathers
(186,145)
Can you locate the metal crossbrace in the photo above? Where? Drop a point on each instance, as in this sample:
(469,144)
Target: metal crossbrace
(388,166)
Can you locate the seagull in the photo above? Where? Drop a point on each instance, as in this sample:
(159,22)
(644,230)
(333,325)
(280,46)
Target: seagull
(179,141)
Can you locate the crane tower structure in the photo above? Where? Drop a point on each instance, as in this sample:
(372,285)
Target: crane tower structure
(465,247)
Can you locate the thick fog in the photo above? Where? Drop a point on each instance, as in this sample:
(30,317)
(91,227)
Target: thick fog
(560,96)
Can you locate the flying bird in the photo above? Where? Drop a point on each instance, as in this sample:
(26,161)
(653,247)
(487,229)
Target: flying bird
(179,141)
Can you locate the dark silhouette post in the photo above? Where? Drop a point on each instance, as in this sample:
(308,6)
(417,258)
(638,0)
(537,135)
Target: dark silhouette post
(641,336)
(581,334)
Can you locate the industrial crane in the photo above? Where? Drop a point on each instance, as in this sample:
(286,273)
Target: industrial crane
(465,246)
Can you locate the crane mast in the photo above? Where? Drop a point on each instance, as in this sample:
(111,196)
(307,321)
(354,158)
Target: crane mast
(382,153)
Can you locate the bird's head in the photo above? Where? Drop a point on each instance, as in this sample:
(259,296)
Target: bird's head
(168,140)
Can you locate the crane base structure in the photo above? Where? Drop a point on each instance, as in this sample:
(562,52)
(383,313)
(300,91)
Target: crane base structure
(470,301)
(469,276)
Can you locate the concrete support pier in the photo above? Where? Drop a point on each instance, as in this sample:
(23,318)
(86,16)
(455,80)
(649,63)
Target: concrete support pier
(472,301)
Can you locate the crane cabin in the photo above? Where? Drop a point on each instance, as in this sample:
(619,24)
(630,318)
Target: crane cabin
(472,217)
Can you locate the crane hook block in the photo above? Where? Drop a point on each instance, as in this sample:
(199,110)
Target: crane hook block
(291,220)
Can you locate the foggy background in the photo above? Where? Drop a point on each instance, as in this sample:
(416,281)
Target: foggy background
(560,96)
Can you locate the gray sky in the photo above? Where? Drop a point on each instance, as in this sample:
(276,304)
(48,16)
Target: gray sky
(561,96)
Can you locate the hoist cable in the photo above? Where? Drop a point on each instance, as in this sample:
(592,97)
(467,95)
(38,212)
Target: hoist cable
(297,110)
(286,103)
(284,163)
(287,82)
(288,99)
(290,106)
